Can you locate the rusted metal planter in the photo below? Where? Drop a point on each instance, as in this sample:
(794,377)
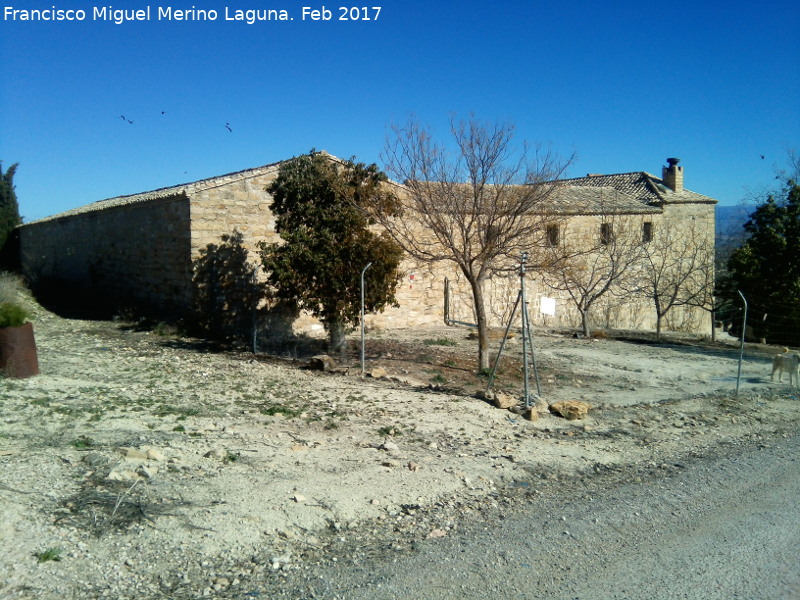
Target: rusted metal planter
(18,356)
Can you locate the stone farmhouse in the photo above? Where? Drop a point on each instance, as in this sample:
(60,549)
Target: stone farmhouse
(659,214)
(138,251)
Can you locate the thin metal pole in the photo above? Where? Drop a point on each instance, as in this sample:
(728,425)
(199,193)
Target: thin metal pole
(533,352)
(527,338)
(364,270)
(254,282)
(502,344)
(523,260)
(741,347)
(446,301)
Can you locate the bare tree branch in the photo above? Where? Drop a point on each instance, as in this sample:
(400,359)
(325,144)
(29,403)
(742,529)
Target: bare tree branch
(678,270)
(478,206)
(588,267)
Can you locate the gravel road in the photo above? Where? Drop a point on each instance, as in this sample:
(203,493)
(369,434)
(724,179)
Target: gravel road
(723,527)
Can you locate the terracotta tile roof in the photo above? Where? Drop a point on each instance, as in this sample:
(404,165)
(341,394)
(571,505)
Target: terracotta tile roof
(643,187)
(596,200)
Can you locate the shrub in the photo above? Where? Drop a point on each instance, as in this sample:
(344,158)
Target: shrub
(439,342)
(12,315)
(11,287)
(48,555)
(83,443)
(13,291)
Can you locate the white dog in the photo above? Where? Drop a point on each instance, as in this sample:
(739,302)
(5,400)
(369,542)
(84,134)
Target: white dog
(786,362)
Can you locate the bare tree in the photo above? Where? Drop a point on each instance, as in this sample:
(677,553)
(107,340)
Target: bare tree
(678,270)
(476,206)
(587,265)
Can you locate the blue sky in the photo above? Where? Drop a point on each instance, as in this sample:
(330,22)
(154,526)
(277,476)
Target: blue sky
(624,85)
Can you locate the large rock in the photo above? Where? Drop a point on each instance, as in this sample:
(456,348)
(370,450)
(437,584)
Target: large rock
(122,474)
(389,446)
(572,410)
(321,362)
(216,453)
(378,373)
(540,405)
(131,453)
(531,414)
(147,471)
(498,398)
(153,454)
(93,459)
(505,401)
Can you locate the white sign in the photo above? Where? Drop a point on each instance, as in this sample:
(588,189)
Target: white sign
(547,306)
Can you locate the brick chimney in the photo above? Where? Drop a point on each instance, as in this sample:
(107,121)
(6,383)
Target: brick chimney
(673,175)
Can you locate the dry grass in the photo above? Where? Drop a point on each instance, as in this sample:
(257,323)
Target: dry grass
(102,507)
(13,289)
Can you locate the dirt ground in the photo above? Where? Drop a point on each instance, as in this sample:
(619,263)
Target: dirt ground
(141,464)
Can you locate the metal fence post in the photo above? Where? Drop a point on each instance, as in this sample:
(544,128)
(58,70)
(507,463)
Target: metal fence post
(741,346)
(525,329)
(364,270)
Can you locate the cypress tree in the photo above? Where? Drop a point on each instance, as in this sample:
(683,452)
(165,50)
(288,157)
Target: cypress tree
(9,208)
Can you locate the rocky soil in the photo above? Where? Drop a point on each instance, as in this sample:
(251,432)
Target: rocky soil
(143,465)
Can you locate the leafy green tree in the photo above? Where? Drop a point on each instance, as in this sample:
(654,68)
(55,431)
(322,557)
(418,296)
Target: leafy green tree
(9,208)
(321,207)
(766,268)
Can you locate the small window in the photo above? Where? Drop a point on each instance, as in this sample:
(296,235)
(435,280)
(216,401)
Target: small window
(647,232)
(552,236)
(606,234)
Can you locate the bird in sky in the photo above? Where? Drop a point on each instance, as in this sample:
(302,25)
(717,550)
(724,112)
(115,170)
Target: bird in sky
(762,156)
(163,112)
(228,127)
(126,119)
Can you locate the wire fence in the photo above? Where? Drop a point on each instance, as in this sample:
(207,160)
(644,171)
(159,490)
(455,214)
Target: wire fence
(773,324)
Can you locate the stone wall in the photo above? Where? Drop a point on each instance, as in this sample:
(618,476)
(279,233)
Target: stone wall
(135,255)
(240,204)
(142,253)
(138,252)
(421,293)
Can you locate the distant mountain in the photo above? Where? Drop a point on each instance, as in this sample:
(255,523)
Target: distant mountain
(731,220)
